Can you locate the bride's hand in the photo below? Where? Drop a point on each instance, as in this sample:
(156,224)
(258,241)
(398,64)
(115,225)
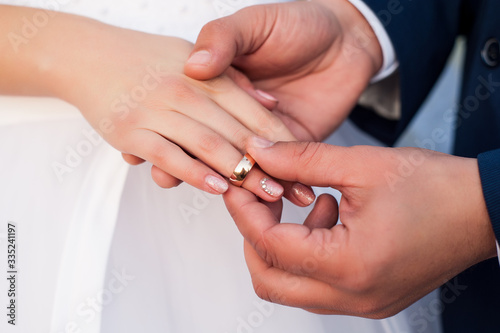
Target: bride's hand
(316,57)
(131,87)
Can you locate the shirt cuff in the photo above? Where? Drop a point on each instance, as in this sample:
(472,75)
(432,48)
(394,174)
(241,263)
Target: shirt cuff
(390,63)
(498,252)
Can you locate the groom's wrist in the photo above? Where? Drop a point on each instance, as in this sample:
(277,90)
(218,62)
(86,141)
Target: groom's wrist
(481,242)
(390,63)
(358,36)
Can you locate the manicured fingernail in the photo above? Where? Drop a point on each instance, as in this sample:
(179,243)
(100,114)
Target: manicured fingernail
(266,96)
(271,187)
(216,184)
(303,193)
(200,58)
(258,142)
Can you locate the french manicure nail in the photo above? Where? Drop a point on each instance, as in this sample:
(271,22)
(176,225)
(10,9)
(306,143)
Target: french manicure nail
(202,57)
(271,187)
(216,184)
(267,96)
(258,142)
(303,193)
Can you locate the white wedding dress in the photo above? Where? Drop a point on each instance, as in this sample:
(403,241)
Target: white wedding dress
(101,248)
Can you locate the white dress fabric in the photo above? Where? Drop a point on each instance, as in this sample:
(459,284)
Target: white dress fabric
(102,249)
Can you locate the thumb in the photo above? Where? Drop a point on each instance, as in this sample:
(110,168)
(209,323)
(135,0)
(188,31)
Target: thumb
(311,163)
(223,40)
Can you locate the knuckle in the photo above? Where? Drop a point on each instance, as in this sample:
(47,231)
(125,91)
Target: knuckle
(263,118)
(211,142)
(218,85)
(260,246)
(265,251)
(178,90)
(270,126)
(158,153)
(190,173)
(316,157)
(125,122)
(133,120)
(268,246)
(240,137)
(239,78)
(308,155)
(214,87)
(261,289)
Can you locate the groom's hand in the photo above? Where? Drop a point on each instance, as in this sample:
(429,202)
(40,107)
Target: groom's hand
(411,220)
(315,57)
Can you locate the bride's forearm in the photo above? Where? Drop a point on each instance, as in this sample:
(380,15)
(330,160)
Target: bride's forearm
(43,51)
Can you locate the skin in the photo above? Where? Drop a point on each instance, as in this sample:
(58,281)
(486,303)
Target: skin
(131,88)
(316,89)
(411,218)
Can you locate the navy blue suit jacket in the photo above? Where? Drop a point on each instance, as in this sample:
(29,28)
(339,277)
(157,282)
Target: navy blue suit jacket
(423,33)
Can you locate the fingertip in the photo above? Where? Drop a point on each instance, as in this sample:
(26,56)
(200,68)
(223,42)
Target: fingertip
(198,64)
(257,147)
(272,188)
(256,144)
(325,213)
(205,71)
(213,52)
(217,184)
(202,58)
(197,73)
(304,194)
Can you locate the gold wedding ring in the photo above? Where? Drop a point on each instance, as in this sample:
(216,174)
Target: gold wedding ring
(242,169)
